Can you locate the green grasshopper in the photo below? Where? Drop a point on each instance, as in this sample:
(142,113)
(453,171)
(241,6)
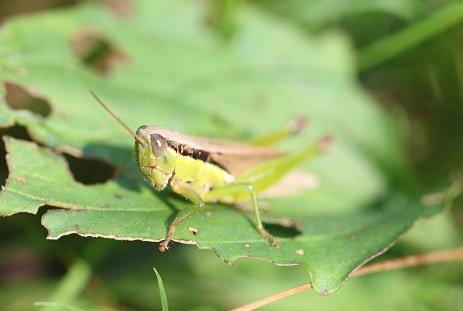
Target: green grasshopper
(205,170)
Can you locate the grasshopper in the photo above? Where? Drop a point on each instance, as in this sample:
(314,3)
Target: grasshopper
(205,170)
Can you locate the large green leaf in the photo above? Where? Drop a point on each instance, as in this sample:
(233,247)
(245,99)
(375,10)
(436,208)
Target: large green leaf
(179,75)
(329,246)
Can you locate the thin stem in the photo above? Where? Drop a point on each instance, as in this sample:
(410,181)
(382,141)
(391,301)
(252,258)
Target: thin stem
(70,286)
(412,261)
(77,276)
(393,264)
(385,49)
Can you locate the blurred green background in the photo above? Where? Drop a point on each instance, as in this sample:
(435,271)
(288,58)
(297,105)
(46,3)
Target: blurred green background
(409,56)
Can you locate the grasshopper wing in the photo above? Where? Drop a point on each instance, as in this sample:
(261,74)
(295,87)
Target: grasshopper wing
(237,163)
(292,184)
(234,157)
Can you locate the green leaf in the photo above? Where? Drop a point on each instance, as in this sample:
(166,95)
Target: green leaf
(195,85)
(178,74)
(329,246)
(162,291)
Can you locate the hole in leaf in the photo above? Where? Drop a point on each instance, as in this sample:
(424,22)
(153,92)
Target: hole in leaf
(97,52)
(18,98)
(16,131)
(282,230)
(90,171)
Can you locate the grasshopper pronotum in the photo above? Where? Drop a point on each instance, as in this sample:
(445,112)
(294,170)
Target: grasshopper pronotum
(209,170)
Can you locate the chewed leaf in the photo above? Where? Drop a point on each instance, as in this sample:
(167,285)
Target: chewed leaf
(330,247)
(172,71)
(39,177)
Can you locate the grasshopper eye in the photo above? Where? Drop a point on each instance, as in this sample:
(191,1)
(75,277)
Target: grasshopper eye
(158,144)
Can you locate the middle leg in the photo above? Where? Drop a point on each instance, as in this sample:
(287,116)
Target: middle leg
(194,197)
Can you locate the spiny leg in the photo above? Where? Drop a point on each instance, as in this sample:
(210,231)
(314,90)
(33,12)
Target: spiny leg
(268,173)
(232,190)
(193,196)
(263,176)
(164,245)
(291,128)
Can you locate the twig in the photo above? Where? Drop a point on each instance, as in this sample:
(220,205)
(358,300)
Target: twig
(393,264)
(411,261)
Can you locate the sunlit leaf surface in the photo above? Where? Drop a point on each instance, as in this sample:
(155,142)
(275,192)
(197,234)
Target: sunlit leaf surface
(170,70)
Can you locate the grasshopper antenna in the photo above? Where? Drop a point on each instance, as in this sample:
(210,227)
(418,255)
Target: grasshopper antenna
(105,107)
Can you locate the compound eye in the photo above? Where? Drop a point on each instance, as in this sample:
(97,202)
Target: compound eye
(158,145)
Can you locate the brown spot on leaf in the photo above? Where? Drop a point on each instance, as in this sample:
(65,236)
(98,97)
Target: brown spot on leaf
(118,196)
(433,198)
(61,113)
(20,98)
(261,102)
(21,180)
(90,171)
(97,52)
(122,8)
(298,124)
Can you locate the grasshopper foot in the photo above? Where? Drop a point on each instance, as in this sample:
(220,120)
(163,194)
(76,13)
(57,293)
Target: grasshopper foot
(164,245)
(275,242)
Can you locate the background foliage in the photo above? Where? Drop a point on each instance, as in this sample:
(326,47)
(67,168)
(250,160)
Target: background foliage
(384,77)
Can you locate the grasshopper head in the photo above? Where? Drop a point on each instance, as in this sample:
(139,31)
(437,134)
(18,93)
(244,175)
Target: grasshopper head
(156,160)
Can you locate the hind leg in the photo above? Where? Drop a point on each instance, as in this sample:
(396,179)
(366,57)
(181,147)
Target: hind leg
(291,128)
(239,189)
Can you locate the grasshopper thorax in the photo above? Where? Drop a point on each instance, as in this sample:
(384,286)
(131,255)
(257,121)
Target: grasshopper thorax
(156,160)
